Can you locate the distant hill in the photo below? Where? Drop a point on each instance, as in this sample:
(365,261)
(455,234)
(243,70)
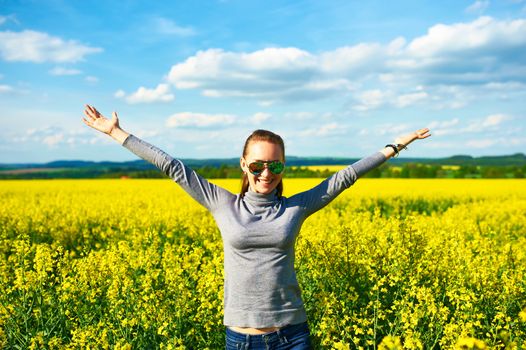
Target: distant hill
(229,167)
(518,159)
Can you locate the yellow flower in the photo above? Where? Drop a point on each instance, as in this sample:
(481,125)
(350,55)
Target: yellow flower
(470,343)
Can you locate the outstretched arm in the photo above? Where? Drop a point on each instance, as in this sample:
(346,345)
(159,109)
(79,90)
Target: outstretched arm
(203,191)
(108,126)
(402,141)
(322,194)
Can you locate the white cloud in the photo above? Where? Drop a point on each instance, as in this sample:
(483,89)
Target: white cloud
(372,99)
(299,115)
(411,98)
(494,120)
(166,26)
(200,120)
(488,124)
(365,57)
(329,129)
(268,75)
(32,46)
(53,140)
(480,143)
(477,53)
(5,89)
(443,123)
(506,86)
(91,79)
(143,95)
(53,136)
(143,134)
(64,71)
(482,36)
(445,127)
(119,94)
(392,129)
(478,7)
(495,141)
(469,54)
(5,19)
(259,117)
(517,141)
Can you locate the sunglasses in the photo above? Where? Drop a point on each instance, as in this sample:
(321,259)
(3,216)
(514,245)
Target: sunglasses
(275,166)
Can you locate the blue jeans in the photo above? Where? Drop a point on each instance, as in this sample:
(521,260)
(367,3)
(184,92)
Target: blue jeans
(291,337)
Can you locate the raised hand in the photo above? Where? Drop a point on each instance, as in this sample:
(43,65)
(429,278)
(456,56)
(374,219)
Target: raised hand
(98,122)
(407,139)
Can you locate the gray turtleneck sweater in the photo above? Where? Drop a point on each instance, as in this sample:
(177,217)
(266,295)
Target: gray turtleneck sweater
(259,232)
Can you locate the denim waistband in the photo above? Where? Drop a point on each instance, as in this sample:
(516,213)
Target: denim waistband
(286,331)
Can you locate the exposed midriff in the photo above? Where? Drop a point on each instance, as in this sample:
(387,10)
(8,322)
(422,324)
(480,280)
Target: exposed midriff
(248,330)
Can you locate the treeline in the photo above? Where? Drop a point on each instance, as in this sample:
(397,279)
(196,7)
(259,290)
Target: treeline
(426,171)
(407,170)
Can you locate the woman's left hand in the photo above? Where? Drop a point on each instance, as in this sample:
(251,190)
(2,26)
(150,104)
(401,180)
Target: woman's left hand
(407,139)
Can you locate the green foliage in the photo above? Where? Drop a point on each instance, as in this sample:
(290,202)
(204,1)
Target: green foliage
(387,170)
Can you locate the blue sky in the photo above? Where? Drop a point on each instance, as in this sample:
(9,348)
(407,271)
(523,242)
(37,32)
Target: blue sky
(195,78)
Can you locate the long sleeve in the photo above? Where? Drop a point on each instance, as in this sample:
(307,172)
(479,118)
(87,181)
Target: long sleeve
(321,195)
(204,192)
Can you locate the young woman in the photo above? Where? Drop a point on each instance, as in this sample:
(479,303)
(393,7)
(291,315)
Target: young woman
(263,308)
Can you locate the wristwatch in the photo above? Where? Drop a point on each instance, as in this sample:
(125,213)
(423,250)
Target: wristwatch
(396,148)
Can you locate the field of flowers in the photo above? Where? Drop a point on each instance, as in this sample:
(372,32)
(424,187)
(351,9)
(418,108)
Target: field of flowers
(390,264)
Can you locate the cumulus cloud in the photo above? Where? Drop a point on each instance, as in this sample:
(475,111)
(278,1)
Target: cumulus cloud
(484,35)
(53,136)
(494,120)
(495,141)
(143,95)
(361,58)
(32,46)
(5,19)
(478,7)
(484,50)
(411,98)
(271,74)
(373,99)
(52,140)
(91,79)
(259,118)
(64,71)
(169,27)
(488,124)
(443,123)
(477,53)
(480,143)
(329,129)
(300,115)
(199,120)
(5,89)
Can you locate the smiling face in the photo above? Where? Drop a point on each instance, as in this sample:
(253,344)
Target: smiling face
(265,182)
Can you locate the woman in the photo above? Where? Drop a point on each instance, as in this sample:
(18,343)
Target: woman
(263,308)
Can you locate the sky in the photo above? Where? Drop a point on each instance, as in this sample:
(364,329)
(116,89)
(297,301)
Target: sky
(194,78)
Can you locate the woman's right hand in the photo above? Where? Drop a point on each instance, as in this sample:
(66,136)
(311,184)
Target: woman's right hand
(98,122)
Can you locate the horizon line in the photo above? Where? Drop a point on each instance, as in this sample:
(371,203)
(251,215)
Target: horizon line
(231,158)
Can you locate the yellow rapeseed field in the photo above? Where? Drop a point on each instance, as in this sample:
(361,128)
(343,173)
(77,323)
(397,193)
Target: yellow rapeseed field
(390,264)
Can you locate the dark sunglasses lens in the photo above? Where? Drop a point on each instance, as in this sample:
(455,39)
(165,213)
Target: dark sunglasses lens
(256,168)
(276,167)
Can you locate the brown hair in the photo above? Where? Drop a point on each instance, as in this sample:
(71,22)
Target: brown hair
(268,136)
